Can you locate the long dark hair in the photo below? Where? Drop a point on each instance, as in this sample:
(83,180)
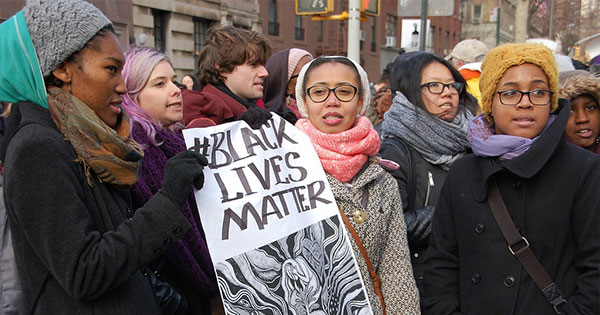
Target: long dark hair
(406,72)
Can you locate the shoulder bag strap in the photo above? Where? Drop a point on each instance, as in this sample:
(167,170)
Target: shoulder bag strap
(374,276)
(519,247)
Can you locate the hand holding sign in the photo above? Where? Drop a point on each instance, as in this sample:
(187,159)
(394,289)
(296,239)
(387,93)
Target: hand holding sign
(181,171)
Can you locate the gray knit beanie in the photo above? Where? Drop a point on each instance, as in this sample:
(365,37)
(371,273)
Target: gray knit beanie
(364,86)
(60,28)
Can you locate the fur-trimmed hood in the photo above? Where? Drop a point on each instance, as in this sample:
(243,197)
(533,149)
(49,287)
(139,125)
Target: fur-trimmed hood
(578,82)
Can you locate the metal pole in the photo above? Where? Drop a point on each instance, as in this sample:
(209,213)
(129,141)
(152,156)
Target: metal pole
(424,4)
(354,30)
(551,27)
(498,25)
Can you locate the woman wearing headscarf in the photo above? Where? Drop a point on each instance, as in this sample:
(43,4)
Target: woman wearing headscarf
(582,89)
(333,95)
(70,164)
(154,103)
(424,131)
(549,188)
(279,93)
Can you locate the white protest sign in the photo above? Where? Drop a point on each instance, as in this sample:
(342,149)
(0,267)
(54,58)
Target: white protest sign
(271,223)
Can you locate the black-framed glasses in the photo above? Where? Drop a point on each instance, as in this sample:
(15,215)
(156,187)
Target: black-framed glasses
(344,93)
(438,87)
(538,97)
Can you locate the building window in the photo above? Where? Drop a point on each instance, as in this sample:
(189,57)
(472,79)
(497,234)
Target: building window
(200,28)
(160,29)
(320,32)
(476,14)
(373,35)
(299,34)
(447,47)
(391,25)
(273,22)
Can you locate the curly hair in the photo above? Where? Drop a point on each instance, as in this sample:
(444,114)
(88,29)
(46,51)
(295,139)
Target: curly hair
(228,47)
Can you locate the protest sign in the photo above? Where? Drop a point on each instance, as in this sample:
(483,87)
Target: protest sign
(272,225)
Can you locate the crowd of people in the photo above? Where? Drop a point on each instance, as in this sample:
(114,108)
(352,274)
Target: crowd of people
(469,183)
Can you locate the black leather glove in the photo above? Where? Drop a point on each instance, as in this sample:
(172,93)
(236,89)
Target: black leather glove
(255,117)
(418,226)
(181,172)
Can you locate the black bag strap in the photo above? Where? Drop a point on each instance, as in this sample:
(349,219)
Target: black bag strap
(411,185)
(519,247)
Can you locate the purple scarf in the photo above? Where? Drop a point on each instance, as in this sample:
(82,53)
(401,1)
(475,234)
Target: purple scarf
(484,142)
(190,254)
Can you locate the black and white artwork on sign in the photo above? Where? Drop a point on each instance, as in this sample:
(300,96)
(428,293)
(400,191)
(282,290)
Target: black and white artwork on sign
(311,271)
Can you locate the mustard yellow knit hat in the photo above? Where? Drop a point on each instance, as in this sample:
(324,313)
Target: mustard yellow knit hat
(499,59)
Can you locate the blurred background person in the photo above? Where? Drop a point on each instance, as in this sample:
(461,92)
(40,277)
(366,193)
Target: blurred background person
(333,96)
(279,94)
(466,57)
(424,131)
(191,82)
(582,89)
(382,101)
(154,103)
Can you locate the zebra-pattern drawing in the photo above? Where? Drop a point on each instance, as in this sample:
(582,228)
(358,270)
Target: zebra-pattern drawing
(309,272)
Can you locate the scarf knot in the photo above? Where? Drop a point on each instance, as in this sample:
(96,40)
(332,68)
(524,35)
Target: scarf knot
(343,154)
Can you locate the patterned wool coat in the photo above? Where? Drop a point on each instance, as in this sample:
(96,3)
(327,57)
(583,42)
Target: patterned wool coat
(383,234)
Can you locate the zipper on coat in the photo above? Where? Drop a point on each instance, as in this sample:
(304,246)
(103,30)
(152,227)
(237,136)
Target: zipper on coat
(429,185)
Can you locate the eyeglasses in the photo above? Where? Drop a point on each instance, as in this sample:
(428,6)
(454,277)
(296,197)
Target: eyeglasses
(536,97)
(438,87)
(344,93)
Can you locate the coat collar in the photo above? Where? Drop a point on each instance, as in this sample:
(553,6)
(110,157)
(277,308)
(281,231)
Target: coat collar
(533,160)
(372,171)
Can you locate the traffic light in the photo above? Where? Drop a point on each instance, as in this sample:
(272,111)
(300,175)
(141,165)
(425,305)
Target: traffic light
(308,7)
(370,7)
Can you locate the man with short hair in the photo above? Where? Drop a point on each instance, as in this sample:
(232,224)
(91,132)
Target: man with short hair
(466,57)
(231,71)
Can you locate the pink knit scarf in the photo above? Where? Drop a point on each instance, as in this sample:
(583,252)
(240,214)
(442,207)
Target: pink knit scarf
(343,154)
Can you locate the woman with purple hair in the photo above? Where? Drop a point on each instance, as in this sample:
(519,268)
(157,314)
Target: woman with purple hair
(154,104)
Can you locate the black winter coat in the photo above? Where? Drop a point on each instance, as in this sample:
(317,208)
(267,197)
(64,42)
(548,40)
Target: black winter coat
(553,197)
(75,249)
(420,184)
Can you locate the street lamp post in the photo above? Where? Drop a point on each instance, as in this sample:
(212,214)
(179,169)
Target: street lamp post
(424,4)
(354,30)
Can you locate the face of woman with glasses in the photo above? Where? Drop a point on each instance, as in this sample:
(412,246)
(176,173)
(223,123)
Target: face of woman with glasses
(528,117)
(439,91)
(332,99)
